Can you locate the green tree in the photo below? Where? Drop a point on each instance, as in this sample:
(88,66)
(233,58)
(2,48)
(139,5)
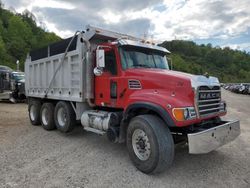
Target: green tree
(227,64)
(19,34)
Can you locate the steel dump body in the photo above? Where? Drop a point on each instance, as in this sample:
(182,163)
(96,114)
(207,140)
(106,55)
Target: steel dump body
(68,81)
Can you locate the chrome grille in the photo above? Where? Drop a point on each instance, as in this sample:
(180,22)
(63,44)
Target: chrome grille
(208,100)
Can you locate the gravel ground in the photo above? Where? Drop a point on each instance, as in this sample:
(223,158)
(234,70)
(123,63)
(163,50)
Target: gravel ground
(33,157)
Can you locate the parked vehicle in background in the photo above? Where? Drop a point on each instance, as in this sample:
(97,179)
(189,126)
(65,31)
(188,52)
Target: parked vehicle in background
(241,88)
(121,86)
(12,84)
(5,69)
(18,85)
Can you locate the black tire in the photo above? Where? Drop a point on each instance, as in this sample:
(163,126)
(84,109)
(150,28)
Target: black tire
(34,111)
(47,116)
(64,116)
(161,144)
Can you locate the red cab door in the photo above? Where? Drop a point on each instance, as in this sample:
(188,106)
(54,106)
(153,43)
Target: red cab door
(106,85)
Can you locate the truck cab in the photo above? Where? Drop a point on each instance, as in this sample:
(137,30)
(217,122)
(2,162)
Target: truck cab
(133,72)
(11,85)
(121,86)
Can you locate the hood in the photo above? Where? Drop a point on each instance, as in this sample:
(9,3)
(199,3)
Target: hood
(173,77)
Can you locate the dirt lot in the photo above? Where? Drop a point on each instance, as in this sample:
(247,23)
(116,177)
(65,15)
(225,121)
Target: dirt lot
(33,157)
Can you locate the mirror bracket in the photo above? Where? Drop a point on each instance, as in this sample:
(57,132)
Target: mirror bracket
(98,71)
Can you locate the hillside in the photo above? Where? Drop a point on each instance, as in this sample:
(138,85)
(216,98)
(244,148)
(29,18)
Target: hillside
(19,34)
(227,64)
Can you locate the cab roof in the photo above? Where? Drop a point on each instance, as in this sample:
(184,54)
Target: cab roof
(124,42)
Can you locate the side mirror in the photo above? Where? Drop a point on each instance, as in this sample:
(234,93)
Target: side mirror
(100,58)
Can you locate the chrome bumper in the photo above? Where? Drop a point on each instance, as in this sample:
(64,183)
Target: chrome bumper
(212,138)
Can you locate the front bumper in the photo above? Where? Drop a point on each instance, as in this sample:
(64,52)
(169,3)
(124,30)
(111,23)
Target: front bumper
(210,139)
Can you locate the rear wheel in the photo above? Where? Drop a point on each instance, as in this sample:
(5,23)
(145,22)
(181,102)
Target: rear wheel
(64,116)
(34,111)
(150,144)
(47,116)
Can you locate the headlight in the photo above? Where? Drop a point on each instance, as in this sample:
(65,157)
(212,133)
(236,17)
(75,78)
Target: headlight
(182,114)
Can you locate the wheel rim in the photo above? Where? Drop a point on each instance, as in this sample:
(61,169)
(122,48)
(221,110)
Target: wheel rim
(45,118)
(32,113)
(61,117)
(141,145)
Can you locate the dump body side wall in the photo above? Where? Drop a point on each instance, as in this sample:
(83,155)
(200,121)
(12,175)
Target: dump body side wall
(68,82)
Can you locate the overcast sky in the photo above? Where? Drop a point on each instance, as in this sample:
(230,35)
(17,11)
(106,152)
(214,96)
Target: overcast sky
(223,23)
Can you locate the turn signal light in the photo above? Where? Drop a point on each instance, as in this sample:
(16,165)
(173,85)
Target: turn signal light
(179,114)
(182,114)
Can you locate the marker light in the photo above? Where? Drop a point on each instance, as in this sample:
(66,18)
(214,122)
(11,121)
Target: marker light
(179,114)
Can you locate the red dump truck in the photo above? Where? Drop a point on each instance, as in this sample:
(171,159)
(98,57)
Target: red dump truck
(122,87)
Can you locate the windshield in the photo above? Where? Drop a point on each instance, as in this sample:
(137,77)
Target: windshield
(18,76)
(136,57)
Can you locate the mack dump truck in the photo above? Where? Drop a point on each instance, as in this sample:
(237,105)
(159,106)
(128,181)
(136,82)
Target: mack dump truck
(122,87)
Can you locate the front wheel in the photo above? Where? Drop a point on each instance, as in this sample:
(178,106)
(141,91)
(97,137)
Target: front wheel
(150,144)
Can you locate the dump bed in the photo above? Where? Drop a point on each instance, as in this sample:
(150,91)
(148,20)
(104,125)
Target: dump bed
(47,76)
